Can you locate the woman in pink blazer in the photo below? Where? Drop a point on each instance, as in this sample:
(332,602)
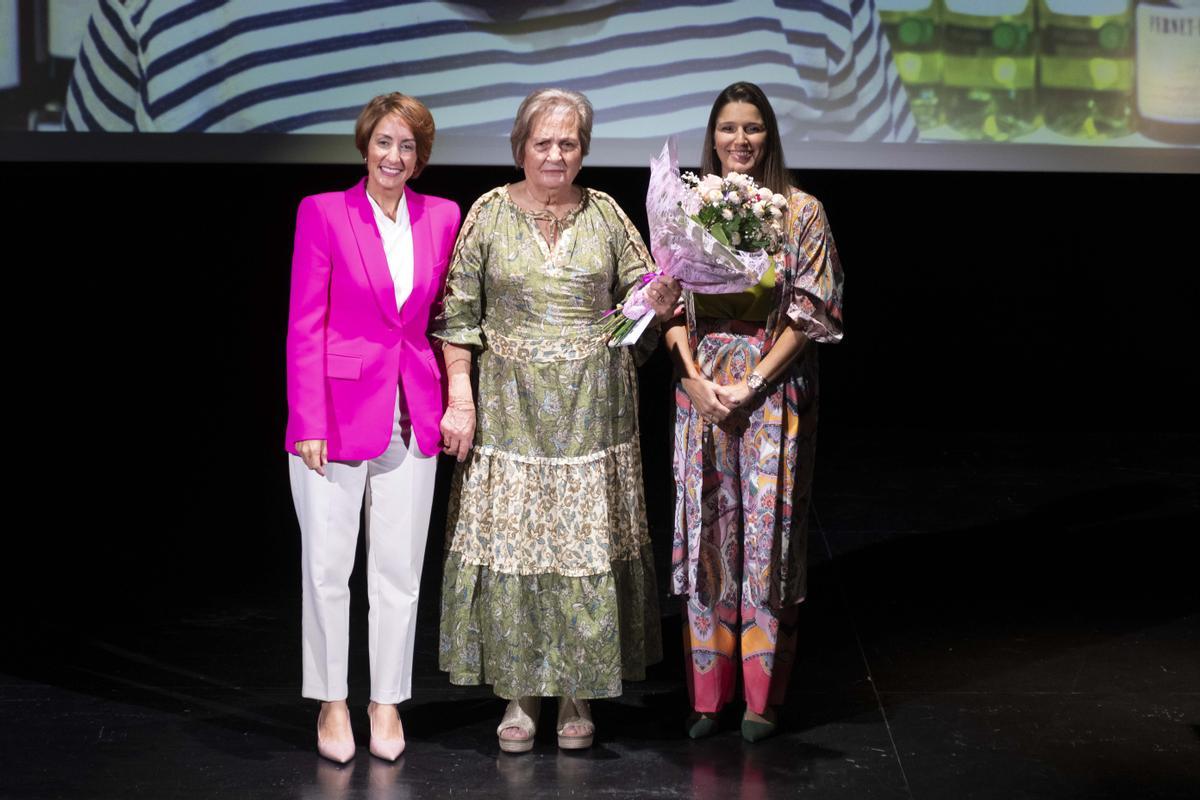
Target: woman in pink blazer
(366,395)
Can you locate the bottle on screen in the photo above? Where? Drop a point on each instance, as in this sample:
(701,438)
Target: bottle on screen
(914,31)
(64,22)
(1086,67)
(1168,70)
(989,78)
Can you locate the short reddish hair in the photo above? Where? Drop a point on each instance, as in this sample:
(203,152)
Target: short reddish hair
(415,115)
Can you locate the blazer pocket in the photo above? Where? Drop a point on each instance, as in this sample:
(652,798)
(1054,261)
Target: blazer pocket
(347,368)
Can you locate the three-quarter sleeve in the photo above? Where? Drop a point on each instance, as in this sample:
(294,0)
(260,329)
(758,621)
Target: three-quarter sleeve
(461,318)
(815,304)
(632,257)
(632,261)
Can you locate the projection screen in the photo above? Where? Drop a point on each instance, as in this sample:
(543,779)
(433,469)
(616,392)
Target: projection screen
(1095,85)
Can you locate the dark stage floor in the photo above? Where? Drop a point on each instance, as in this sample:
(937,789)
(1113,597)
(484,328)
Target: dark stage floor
(990,616)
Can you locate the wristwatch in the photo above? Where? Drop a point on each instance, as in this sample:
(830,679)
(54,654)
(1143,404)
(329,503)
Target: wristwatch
(756,382)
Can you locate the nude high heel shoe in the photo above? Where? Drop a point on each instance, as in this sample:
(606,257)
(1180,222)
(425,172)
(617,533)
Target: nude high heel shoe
(337,752)
(387,749)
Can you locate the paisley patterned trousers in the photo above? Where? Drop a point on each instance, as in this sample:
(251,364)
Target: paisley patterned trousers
(742,490)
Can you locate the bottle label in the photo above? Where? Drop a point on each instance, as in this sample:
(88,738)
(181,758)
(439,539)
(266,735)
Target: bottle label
(1168,63)
(1075,59)
(992,8)
(1111,40)
(1088,8)
(999,57)
(1002,39)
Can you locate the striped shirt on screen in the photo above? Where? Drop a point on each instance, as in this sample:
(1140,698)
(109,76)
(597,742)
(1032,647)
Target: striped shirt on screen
(649,68)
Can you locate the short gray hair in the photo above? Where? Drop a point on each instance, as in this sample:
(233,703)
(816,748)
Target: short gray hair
(541,101)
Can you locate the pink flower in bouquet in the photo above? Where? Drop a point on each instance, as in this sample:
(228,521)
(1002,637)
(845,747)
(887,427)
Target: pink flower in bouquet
(709,183)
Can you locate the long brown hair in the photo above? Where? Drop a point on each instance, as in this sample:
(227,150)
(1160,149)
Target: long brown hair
(772,170)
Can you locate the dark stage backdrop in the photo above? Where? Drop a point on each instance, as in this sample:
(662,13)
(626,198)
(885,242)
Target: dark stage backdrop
(150,304)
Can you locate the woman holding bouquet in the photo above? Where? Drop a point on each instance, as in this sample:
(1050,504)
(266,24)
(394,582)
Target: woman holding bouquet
(745,425)
(549,583)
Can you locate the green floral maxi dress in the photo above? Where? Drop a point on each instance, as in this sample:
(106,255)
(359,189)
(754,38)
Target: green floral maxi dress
(549,581)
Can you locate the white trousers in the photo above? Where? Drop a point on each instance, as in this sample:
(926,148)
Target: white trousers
(398,491)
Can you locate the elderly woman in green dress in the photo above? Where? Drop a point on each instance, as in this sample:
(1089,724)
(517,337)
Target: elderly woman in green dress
(549,585)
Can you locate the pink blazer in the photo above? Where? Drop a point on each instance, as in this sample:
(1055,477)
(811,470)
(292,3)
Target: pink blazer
(348,348)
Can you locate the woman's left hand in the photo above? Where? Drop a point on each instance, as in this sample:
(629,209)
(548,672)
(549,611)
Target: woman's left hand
(735,395)
(458,429)
(663,294)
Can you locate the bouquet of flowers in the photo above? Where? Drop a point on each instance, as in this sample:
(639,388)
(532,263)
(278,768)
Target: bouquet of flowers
(735,211)
(714,235)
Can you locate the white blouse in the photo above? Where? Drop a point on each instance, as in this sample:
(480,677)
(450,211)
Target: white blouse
(397,246)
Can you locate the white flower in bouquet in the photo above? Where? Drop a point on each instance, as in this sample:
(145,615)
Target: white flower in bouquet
(710,183)
(736,211)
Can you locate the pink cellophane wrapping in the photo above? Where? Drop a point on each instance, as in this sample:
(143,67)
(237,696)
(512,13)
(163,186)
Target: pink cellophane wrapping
(638,305)
(682,248)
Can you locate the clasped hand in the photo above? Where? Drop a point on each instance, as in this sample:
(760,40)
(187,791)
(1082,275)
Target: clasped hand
(715,402)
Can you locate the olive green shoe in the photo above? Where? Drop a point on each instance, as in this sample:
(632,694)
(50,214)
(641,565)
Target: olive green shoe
(701,726)
(755,730)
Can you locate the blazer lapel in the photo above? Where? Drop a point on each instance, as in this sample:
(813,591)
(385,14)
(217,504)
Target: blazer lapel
(422,238)
(370,249)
